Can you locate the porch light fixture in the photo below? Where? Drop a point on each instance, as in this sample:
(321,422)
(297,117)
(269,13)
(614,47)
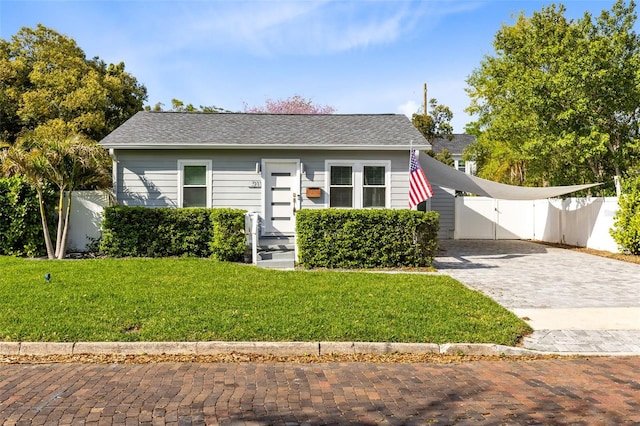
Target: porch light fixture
(258,170)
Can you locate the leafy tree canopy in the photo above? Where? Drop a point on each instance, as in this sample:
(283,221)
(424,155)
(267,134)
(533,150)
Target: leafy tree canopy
(443,156)
(292,105)
(436,123)
(46,82)
(179,106)
(558,101)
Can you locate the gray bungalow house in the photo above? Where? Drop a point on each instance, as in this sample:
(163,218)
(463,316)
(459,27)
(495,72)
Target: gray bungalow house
(266,163)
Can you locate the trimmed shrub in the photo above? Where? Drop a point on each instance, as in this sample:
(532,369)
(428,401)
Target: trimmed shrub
(183,232)
(20,222)
(339,238)
(626,227)
(166,232)
(128,231)
(229,240)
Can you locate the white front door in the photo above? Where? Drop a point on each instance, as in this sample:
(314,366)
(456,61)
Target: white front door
(281,194)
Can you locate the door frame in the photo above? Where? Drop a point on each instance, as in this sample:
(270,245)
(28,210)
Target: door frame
(296,188)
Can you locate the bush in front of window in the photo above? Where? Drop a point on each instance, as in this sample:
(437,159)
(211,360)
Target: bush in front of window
(167,232)
(377,238)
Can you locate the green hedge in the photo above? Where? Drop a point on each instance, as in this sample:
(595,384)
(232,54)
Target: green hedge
(20,222)
(626,229)
(336,238)
(165,232)
(229,240)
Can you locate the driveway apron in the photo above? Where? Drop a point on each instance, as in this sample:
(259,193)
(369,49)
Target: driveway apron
(575,302)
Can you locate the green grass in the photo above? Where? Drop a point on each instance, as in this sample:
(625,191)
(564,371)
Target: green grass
(201,300)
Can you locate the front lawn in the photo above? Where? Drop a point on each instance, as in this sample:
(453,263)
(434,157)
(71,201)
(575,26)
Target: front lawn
(200,300)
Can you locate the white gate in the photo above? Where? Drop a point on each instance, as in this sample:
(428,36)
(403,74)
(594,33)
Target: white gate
(583,222)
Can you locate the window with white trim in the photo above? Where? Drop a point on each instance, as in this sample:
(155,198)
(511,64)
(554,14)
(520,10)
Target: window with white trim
(341,186)
(374,188)
(358,184)
(194,183)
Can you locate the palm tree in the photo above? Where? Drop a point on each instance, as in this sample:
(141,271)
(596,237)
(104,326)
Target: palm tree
(29,161)
(76,163)
(69,163)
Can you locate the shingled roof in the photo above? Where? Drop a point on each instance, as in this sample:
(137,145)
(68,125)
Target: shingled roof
(158,130)
(456,145)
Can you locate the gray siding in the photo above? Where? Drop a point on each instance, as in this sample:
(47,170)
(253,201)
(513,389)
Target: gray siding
(233,175)
(150,178)
(315,174)
(149,181)
(443,202)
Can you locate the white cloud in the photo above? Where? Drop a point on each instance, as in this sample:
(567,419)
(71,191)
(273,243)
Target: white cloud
(374,26)
(409,108)
(255,26)
(276,27)
(301,27)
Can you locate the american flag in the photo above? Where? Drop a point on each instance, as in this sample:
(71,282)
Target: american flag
(419,188)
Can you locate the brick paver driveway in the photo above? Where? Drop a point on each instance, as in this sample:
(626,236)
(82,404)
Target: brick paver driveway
(575,302)
(546,391)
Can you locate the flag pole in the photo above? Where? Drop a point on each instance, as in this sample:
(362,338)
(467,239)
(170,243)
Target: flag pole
(419,188)
(425,100)
(410,159)
(410,151)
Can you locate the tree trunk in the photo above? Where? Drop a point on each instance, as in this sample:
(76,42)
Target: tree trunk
(62,237)
(45,227)
(60,222)
(614,150)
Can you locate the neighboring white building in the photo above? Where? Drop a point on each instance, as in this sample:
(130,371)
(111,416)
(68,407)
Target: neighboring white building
(456,147)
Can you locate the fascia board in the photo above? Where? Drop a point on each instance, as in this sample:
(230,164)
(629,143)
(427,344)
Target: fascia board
(269,147)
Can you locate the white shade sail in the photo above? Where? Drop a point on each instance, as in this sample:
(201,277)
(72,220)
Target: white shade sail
(447,177)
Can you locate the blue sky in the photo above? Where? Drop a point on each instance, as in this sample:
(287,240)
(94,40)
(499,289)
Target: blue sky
(360,56)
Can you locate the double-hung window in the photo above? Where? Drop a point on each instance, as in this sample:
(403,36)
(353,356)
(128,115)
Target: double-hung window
(341,186)
(358,184)
(194,183)
(374,187)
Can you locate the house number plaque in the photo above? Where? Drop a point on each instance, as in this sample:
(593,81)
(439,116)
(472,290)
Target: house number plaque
(255,184)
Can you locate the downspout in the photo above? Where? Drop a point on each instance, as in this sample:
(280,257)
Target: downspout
(114,176)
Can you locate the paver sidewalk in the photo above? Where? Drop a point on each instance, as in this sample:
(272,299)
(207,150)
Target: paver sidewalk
(575,302)
(547,391)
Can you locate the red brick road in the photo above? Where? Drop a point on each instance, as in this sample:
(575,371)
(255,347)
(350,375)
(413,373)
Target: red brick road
(548,391)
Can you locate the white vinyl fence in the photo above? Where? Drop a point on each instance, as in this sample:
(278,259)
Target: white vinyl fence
(583,222)
(85,218)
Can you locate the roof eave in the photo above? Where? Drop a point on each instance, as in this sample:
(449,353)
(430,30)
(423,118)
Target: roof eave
(262,146)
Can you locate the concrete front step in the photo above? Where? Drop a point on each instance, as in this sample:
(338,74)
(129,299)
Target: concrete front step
(276,247)
(276,243)
(277,259)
